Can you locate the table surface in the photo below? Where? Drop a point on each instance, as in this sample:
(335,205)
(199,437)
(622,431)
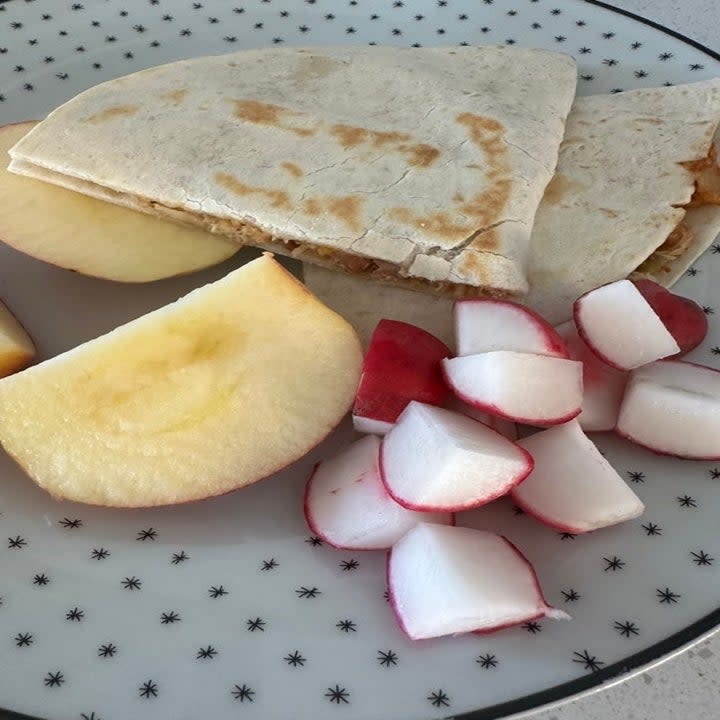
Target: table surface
(687,685)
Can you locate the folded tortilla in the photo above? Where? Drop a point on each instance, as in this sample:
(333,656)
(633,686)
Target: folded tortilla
(418,167)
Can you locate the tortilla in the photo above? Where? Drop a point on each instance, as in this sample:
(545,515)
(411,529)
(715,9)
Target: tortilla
(418,167)
(620,201)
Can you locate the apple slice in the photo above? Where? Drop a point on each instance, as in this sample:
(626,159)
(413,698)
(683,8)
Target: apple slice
(683,317)
(525,388)
(94,237)
(603,385)
(505,427)
(347,505)
(402,363)
(437,460)
(618,324)
(450,580)
(573,488)
(484,325)
(17,349)
(672,407)
(215,391)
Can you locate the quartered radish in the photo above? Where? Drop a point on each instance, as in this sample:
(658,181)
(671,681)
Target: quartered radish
(505,427)
(525,388)
(618,324)
(450,580)
(437,460)
(483,325)
(573,488)
(673,408)
(348,507)
(402,363)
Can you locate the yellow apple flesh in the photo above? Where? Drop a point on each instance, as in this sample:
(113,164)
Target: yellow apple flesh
(16,347)
(215,391)
(93,237)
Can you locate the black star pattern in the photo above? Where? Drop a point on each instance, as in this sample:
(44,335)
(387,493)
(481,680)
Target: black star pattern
(62,76)
(702,558)
(462,17)
(652,529)
(295,659)
(207,653)
(556,11)
(15,25)
(24,639)
(614,563)
(243,693)
(715,350)
(667,596)
(386,595)
(626,629)
(149,534)
(154,44)
(123,13)
(346,626)
(696,66)
(517,510)
(708,310)
(487,661)
(387,657)
(314,541)
(47,60)
(585,50)
(148,689)
(131,583)
(396,31)
(216,592)
(610,62)
(567,536)
(337,695)
(439,699)
(54,679)
(692,272)
(256,624)
(91,716)
(230,38)
(16,543)
(635,476)
(107,650)
(608,35)
(570,595)
(99,553)
(587,77)
(351,564)
(665,56)
(77,6)
(170,617)
(510,41)
(45,16)
(110,39)
(580,23)
(80,49)
(41,579)
(305,592)
(213,20)
(686,501)
(511,13)
(239,10)
(75,615)
(167,18)
(270,564)
(637,44)
(177,558)
(349,30)
(28,87)
(95,23)
(536,26)
(589,662)
(303,28)
(485,29)
(714,473)
(185,32)
(197,6)
(532,627)
(19,68)
(617,90)
(560,38)
(128,55)
(715,249)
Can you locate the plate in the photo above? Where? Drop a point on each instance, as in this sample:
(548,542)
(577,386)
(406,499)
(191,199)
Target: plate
(228,608)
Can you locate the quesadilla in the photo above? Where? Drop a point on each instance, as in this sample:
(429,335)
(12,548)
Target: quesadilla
(421,168)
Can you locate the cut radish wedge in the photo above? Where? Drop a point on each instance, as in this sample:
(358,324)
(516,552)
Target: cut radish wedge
(347,506)
(505,427)
(402,364)
(603,386)
(672,407)
(437,460)
(618,324)
(529,389)
(573,488)
(450,580)
(484,325)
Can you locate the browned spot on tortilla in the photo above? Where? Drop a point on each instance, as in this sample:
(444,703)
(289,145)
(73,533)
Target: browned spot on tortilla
(650,121)
(175,96)
(260,113)
(421,155)
(312,68)
(293,169)
(608,212)
(277,198)
(346,208)
(472,265)
(112,112)
(559,187)
(707,180)
(312,206)
(487,241)
(458,197)
(440,224)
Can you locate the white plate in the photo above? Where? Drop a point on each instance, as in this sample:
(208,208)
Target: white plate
(227,608)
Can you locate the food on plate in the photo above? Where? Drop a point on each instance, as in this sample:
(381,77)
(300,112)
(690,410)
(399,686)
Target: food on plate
(572,487)
(484,325)
(437,460)
(673,408)
(684,318)
(347,505)
(203,396)
(402,363)
(449,580)
(523,387)
(603,385)
(92,237)
(17,349)
(414,168)
(620,326)
(625,197)
(501,425)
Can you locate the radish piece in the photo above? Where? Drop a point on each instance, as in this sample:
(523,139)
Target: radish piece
(603,386)
(484,325)
(348,507)
(501,425)
(435,459)
(402,364)
(618,324)
(683,317)
(573,488)
(529,389)
(449,580)
(672,407)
